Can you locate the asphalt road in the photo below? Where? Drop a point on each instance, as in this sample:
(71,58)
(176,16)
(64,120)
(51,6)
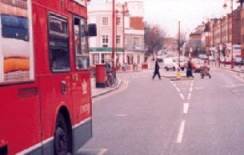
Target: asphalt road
(164,117)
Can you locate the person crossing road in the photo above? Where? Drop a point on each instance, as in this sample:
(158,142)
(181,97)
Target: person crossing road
(156,70)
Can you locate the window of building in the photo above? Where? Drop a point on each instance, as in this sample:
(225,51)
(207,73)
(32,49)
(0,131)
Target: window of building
(58,44)
(118,20)
(106,58)
(81,43)
(136,42)
(105,41)
(95,59)
(118,39)
(105,20)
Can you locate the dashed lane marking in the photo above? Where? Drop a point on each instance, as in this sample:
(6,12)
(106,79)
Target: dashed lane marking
(181,132)
(121,115)
(102,151)
(186,107)
(189,96)
(178,89)
(95,151)
(182,96)
(191,89)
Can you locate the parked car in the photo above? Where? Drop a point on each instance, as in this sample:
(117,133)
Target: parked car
(203,56)
(238,60)
(170,64)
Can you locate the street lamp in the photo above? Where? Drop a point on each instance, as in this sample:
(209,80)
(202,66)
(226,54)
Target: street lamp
(179,44)
(124,12)
(113,33)
(231,7)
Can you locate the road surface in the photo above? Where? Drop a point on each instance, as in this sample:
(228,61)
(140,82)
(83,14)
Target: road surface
(164,117)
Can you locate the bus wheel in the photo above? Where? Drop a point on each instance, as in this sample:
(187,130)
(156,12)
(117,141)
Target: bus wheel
(62,137)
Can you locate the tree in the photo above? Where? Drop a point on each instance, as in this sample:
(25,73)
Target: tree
(154,37)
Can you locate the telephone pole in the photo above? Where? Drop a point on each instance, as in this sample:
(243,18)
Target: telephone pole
(179,43)
(113,33)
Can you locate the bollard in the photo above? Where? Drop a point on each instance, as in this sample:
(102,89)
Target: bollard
(178,74)
(101,76)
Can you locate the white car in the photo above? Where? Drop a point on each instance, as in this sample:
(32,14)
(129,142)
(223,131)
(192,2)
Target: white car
(170,64)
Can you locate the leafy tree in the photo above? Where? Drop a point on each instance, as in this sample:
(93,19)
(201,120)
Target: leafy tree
(154,37)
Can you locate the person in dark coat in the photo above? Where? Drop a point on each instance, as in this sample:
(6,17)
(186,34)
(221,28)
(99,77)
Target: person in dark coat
(189,69)
(156,70)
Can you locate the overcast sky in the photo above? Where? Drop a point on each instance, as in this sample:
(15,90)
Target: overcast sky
(167,13)
(191,13)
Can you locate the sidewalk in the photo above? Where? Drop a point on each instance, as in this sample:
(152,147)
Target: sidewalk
(96,92)
(238,70)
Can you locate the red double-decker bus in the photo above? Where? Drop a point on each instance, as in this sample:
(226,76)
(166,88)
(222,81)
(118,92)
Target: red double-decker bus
(45,94)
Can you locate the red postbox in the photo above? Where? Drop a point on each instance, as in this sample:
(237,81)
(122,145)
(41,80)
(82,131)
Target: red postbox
(101,76)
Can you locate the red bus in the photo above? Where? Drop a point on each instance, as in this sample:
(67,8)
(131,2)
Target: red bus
(45,91)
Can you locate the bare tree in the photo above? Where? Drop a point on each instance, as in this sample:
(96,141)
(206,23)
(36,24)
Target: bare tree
(154,37)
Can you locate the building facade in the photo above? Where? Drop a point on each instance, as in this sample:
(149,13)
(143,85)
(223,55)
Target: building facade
(223,34)
(129,31)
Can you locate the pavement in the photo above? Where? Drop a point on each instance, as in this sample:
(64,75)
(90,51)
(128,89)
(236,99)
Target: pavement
(164,117)
(236,70)
(97,92)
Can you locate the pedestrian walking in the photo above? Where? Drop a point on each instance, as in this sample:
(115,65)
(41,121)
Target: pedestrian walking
(205,70)
(189,69)
(156,70)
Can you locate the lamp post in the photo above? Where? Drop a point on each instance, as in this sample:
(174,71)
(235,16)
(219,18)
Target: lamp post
(113,33)
(231,7)
(124,13)
(179,44)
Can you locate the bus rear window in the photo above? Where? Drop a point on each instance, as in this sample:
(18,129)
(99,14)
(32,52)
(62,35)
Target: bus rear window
(81,43)
(58,44)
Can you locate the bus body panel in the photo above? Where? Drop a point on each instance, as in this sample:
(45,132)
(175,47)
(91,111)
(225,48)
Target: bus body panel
(30,112)
(20,116)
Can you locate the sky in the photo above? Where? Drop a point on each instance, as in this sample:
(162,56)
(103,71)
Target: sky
(191,13)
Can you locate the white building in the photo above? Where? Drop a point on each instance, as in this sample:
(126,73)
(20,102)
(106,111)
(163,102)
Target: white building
(134,33)
(129,33)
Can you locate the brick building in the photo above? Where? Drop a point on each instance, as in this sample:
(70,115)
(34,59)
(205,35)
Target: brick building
(224,32)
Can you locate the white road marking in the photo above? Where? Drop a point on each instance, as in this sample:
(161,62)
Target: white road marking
(189,96)
(102,151)
(178,89)
(181,132)
(199,88)
(121,115)
(186,107)
(182,96)
(191,89)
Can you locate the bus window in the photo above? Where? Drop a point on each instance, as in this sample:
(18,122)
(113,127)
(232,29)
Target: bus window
(81,43)
(58,44)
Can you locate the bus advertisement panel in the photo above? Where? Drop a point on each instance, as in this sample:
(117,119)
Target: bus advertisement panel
(16,45)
